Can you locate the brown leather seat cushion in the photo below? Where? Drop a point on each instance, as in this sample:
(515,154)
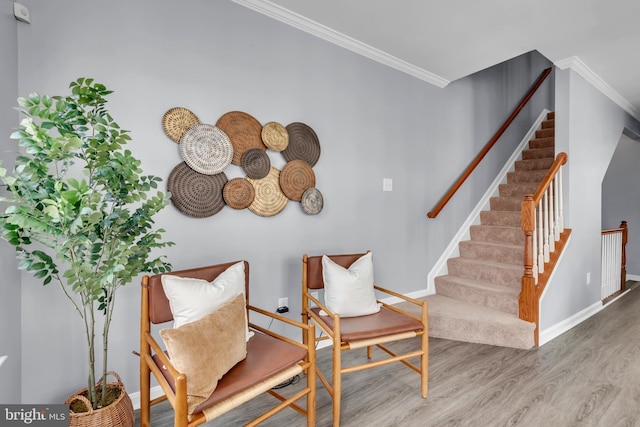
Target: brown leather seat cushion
(385,322)
(266,356)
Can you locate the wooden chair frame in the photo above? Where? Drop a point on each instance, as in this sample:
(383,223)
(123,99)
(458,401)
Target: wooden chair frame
(177,395)
(334,334)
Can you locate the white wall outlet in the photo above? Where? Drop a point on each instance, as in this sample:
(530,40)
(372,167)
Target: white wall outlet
(588,278)
(2,359)
(283,302)
(387,184)
(21,12)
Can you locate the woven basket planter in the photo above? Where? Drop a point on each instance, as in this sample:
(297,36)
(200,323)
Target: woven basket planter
(119,413)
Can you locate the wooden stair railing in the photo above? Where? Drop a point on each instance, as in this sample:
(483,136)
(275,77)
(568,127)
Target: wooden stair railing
(445,199)
(545,237)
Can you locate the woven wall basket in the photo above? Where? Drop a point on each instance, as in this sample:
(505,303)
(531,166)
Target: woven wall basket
(303,144)
(256,163)
(312,201)
(239,193)
(243,130)
(206,149)
(195,194)
(275,136)
(119,414)
(176,121)
(296,177)
(269,200)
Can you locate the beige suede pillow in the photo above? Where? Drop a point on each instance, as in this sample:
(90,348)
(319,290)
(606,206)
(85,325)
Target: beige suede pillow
(208,348)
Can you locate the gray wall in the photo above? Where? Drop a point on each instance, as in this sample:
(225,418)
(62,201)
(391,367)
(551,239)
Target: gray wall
(373,122)
(10,383)
(620,198)
(588,127)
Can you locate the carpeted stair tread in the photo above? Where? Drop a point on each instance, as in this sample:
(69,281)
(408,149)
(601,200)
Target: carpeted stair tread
(509,254)
(503,218)
(525,176)
(538,153)
(549,123)
(503,298)
(534,164)
(548,141)
(464,321)
(518,189)
(544,133)
(497,234)
(499,273)
(505,203)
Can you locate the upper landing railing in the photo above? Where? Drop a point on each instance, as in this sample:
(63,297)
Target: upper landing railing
(445,199)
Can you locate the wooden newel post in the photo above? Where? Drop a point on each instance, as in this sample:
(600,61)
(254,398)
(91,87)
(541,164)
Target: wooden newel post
(623,271)
(528,299)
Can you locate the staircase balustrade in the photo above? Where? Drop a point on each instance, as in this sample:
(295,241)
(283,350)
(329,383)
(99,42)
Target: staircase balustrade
(614,260)
(542,222)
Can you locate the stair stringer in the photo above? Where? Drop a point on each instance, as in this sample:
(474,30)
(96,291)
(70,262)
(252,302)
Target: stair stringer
(440,267)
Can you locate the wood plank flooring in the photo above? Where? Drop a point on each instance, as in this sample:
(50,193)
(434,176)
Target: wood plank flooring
(589,376)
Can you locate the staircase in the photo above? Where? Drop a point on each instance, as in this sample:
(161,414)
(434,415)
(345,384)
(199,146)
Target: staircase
(477,301)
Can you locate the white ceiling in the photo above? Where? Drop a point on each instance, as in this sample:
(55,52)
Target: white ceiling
(442,41)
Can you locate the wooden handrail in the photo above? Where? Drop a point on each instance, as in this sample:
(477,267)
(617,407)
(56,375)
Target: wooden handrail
(561,159)
(489,145)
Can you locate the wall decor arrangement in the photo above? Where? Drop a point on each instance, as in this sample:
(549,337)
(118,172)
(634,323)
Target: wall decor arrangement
(199,186)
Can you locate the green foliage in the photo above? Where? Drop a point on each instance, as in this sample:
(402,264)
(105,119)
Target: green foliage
(80,212)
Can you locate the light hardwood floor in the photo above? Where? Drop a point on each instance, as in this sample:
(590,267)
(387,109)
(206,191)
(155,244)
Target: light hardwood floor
(589,376)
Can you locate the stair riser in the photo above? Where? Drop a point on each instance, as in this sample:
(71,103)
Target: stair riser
(502,218)
(517,190)
(538,153)
(506,235)
(534,164)
(500,275)
(505,204)
(503,301)
(548,124)
(505,254)
(465,330)
(525,176)
(544,133)
(542,142)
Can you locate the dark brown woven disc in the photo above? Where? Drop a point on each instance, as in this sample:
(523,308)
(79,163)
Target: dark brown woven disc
(256,163)
(296,177)
(239,193)
(303,144)
(206,149)
(244,131)
(269,199)
(177,120)
(195,194)
(275,136)
(312,201)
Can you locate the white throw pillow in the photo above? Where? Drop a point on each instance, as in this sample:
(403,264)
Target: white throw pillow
(349,292)
(191,299)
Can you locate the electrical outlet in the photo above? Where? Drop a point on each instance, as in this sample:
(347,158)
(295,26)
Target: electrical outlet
(588,278)
(283,302)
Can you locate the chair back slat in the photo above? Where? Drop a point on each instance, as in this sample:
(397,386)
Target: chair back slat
(159,309)
(314,267)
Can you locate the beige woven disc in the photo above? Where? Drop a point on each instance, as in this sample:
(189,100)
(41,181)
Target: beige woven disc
(296,177)
(269,200)
(206,149)
(177,120)
(239,193)
(275,136)
(243,130)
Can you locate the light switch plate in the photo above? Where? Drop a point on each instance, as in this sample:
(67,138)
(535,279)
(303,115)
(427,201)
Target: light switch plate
(387,184)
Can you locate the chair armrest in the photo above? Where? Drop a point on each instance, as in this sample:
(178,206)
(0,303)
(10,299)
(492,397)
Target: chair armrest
(320,305)
(397,295)
(421,304)
(173,372)
(283,319)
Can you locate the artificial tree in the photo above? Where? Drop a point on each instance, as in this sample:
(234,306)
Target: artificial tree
(79,210)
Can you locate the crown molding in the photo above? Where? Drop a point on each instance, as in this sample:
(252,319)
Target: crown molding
(587,73)
(300,22)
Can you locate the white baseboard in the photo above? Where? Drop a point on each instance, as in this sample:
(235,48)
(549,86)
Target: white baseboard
(135,397)
(633,277)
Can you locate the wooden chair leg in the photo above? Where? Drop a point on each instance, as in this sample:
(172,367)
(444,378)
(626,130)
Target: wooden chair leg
(145,394)
(337,389)
(424,365)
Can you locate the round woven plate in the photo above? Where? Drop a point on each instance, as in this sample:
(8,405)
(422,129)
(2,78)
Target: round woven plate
(256,163)
(177,120)
(296,177)
(312,201)
(269,200)
(206,149)
(303,144)
(195,194)
(239,193)
(243,130)
(275,136)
